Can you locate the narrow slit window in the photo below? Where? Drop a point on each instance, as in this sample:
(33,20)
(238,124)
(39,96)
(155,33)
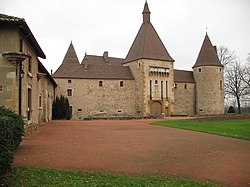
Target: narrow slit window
(40,101)
(100,83)
(121,83)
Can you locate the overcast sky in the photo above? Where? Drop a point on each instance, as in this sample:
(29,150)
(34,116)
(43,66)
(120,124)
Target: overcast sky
(96,26)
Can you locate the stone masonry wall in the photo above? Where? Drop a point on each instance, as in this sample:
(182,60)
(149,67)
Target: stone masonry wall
(89,100)
(161,85)
(184,94)
(209,90)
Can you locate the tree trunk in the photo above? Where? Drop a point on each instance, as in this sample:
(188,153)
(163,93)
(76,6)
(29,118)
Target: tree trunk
(238,103)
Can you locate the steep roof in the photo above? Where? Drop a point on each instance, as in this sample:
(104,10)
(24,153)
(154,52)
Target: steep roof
(25,30)
(70,56)
(147,43)
(96,68)
(183,76)
(207,55)
(42,69)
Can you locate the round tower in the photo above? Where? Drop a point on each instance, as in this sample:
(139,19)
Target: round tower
(209,81)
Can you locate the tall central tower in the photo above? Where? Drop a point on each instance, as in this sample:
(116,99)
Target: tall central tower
(152,68)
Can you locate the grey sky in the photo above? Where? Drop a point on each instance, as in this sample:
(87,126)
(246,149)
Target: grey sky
(96,26)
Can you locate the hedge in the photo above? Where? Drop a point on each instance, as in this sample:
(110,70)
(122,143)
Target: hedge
(11,132)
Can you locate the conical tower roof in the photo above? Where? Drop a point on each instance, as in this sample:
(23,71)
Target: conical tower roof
(70,61)
(208,55)
(70,56)
(147,44)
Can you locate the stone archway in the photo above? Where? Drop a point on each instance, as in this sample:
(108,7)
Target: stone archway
(156,109)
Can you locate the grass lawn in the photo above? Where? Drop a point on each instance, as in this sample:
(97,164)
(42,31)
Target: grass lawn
(30,176)
(230,128)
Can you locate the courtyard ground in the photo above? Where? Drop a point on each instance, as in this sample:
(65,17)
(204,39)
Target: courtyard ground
(136,147)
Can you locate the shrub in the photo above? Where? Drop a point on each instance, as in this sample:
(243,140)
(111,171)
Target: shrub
(231,110)
(11,132)
(61,108)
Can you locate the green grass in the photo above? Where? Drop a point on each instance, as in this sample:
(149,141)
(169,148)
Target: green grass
(29,176)
(230,128)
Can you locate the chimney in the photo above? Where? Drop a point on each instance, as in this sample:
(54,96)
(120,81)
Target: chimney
(85,62)
(106,56)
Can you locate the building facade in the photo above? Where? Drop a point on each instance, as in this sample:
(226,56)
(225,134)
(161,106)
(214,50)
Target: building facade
(144,84)
(26,87)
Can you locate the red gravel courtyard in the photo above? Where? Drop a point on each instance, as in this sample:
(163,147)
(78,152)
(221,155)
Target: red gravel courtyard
(136,147)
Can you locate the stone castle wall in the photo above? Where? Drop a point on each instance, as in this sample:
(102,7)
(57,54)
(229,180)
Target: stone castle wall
(209,90)
(184,94)
(89,100)
(153,85)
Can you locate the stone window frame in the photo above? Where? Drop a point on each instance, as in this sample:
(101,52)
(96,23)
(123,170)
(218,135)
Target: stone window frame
(121,84)
(69,92)
(100,83)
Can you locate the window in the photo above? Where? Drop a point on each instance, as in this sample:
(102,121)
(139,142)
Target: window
(70,109)
(156,81)
(221,86)
(69,92)
(79,109)
(185,86)
(220,69)
(199,69)
(40,101)
(30,65)
(1,88)
(166,88)
(161,89)
(150,87)
(139,65)
(100,83)
(29,104)
(121,83)
(69,81)
(175,86)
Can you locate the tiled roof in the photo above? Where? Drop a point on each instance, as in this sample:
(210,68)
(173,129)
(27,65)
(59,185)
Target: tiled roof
(147,44)
(42,69)
(97,68)
(70,56)
(183,76)
(207,55)
(4,17)
(24,28)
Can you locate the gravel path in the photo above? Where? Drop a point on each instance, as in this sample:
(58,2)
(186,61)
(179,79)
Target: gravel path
(135,147)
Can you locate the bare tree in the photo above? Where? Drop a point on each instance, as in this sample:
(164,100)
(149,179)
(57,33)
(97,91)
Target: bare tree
(234,82)
(226,56)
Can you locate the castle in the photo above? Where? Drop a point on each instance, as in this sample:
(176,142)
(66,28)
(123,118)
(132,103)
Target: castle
(144,84)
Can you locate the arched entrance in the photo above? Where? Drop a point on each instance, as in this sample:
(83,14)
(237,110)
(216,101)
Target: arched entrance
(155,109)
